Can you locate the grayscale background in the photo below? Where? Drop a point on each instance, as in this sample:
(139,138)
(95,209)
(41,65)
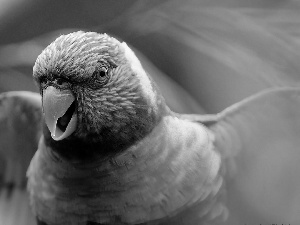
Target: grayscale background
(205,55)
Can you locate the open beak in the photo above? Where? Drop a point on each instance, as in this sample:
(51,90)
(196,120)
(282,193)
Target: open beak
(59,110)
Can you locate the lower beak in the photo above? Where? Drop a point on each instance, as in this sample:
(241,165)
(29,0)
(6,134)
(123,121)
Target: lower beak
(59,111)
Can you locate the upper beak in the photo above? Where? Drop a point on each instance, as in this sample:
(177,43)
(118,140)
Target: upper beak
(57,110)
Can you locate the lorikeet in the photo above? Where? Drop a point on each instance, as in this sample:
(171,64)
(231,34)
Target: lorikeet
(112,152)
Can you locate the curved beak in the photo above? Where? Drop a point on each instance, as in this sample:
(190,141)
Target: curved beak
(59,111)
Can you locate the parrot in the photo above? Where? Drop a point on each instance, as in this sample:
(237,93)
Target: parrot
(111,151)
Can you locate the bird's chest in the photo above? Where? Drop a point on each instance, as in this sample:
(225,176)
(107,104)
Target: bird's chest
(60,194)
(166,176)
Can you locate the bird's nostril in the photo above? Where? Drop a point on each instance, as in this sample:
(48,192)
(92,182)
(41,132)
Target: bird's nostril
(60,81)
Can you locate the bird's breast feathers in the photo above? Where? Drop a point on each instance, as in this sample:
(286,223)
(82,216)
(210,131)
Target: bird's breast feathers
(173,166)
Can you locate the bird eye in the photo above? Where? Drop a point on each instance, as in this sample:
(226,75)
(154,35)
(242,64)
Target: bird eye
(101,74)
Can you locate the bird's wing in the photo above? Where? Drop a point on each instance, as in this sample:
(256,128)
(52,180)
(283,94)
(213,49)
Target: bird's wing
(220,52)
(259,140)
(20,130)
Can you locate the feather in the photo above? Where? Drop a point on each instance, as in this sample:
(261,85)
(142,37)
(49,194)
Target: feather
(20,125)
(258,141)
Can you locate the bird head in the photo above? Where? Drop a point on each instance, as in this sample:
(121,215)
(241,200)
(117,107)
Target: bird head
(94,89)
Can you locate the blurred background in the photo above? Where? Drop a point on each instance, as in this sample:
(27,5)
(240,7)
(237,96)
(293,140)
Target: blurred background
(205,54)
